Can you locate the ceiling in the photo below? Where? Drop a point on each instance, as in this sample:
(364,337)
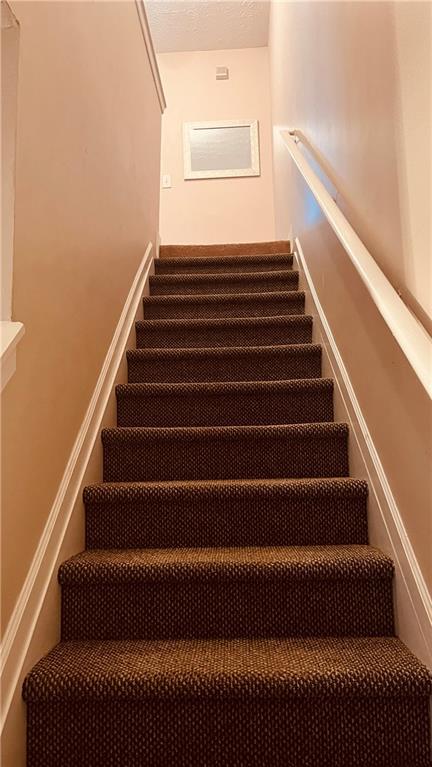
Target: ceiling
(205,25)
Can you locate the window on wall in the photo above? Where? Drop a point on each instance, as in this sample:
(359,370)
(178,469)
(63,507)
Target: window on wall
(221,149)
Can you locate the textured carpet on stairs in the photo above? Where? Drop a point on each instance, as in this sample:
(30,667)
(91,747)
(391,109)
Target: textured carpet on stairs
(237,331)
(225,404)
(228,610)
(215,305)
(218,513)
(253,363)
(244,282)
(211,265)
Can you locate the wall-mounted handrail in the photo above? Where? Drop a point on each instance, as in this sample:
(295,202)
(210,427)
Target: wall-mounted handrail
(411,336)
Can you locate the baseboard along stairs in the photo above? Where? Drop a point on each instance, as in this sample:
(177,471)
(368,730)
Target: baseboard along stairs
(228,610)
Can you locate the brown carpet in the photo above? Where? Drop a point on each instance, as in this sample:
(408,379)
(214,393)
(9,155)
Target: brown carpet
(225,404)
(236,363)
(270,304)
(228,610)
(227,249)
(239,282)
(217,332)
(233,264)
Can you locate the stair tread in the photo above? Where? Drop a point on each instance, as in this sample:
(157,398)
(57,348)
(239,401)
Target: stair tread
(264,667)
(224,363)
(224,262)
(276,274)
(134,453)
(226,513)
(237,259)
(294,562)
(108,492)
(214,322)
(222,403)
(218,304)
(189,388)
(267,247)
(223,282)
(315,430)
(222,331)
(224,351)
(214,298)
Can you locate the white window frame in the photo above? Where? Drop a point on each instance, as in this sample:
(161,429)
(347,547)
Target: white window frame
(254,170)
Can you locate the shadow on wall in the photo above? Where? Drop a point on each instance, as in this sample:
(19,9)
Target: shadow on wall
(354,80)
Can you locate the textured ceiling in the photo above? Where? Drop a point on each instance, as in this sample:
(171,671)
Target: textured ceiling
(203,25)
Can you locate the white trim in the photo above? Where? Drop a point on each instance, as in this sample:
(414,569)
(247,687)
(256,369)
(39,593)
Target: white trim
(253,170)
(142,15)
(10,41)
(411,589)
(10,335)
(22,624)
(411,336)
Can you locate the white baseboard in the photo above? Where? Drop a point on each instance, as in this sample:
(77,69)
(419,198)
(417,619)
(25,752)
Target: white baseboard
(413,604)
(19,632)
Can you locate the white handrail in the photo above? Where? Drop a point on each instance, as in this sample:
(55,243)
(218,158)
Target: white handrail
(411,336)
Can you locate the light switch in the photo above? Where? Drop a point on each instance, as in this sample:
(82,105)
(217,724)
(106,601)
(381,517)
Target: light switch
(166,181)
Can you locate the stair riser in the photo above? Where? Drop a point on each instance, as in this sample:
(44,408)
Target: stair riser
(272,334)
(223,266)
(222,521)
(247,606)
(161,286)
(257,732)
(225,307)
(278,407)
(159,459)
(243,366)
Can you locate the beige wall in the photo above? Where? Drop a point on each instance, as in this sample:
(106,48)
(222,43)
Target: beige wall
(9,84)
(353,77)
(215,210)
(87,198)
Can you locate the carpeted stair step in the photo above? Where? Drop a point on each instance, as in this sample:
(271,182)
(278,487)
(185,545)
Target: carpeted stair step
(143,454)
(225,249)
(224,305)
(246,282)
(232,264)
(262,702)
(227,592)
(224,403)
(227,610)
(266,512)
(243,331)
(253,363)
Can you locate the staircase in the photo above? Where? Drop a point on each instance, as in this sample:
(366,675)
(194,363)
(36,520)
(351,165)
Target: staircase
(228,610)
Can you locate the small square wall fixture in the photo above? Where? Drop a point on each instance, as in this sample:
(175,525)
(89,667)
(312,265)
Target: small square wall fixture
(222,73)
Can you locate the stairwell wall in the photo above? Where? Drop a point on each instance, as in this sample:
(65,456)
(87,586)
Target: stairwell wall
(207,211)
(86,206)
(353,78)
